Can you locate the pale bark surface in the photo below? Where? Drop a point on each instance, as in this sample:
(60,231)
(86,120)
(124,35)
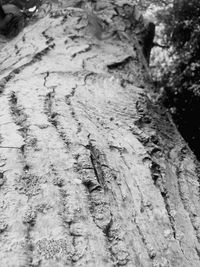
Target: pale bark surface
(92,173)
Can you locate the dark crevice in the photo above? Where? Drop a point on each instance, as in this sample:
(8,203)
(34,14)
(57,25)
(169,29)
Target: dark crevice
(194,218)
(151,253)
(154,148)
(68,101)
(156,175)
(85,50)
(166,131)
(19,117)
(29,245)
(53,116)
(26,183)
(198,252)
(95,155)
(48,38)
(168,209)
(121,65)
(45,78)
(37,57)
(98,202)
(91,185)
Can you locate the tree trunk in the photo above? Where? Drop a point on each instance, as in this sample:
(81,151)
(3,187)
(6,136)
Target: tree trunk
(92,172)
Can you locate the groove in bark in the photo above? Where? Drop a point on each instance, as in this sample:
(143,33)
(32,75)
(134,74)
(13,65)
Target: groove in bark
(156,152)
(26,183)
(37,57)
(184,192)
(53,116)
(72,110)
(99,204)
(158,181)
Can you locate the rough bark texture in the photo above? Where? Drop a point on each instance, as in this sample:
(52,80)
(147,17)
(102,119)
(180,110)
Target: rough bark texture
(92,173)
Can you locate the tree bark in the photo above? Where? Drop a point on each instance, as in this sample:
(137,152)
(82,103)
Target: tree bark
(92,171)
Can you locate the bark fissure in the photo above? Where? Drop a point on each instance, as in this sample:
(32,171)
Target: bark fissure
(37,57)
(156,173)
(84,50)
(100,204)
(150,250)
(121,65)
(68,101)
(95,155)
(49,39)
(53,117)
(27,183)
(158,182)
(185,196)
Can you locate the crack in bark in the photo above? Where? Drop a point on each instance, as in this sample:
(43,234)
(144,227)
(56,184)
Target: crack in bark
(69,217)
(72,110)
(120,65)
(53,116)
(20,119)
(49,39)
(27,180)
(30,246)
(157,154)
(99,206)
(183,192)
(156,173)
(96,164)
(37,57)
(168,209)
(158,182)
(151,252)
(84,50)
(59,182)
(198,252)
(91,169)
(45,78)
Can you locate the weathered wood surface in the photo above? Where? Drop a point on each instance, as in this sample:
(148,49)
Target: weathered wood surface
(91,172)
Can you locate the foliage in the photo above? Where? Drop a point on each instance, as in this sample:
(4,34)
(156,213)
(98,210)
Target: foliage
(182,31)
(182,77)
(144,4)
